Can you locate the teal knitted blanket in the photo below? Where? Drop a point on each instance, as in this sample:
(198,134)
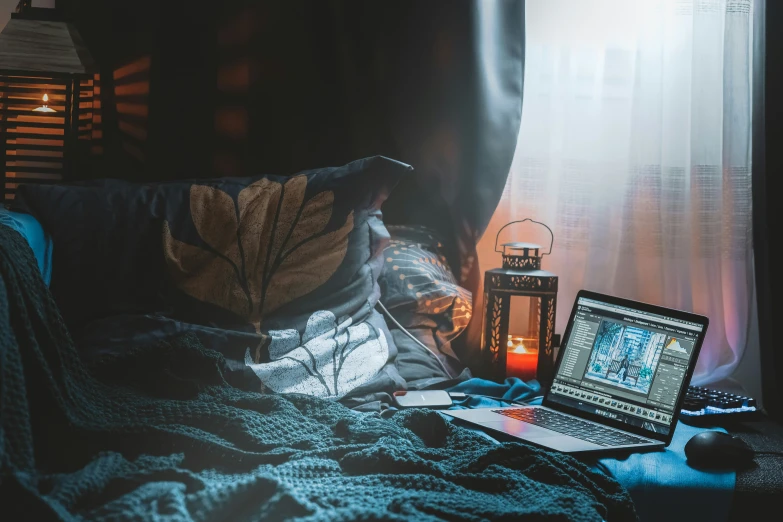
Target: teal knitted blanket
(158,434)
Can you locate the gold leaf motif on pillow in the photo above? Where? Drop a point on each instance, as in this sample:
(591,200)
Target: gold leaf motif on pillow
(262,252)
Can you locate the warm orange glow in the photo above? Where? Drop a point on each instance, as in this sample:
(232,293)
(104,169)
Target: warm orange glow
(521,360)
(36,130)
(134,131)
(36,141)
(518,344)
(44,107)
(232,122)
(35,118)
(138,66)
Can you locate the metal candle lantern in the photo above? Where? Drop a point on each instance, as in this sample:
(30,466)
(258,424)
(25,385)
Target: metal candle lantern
(520,343)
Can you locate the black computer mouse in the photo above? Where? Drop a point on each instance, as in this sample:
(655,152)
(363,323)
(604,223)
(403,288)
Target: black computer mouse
(716,449)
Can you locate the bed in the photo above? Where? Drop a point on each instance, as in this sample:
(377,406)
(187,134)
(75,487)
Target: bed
(135,387)
(157,432)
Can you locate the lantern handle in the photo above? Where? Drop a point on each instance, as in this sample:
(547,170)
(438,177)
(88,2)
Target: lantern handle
(552,235)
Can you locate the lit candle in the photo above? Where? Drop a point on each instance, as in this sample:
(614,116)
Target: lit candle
(44,107)
(521,358)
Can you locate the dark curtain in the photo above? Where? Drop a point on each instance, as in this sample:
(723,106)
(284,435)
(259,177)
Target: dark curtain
(767,211)
(277,87)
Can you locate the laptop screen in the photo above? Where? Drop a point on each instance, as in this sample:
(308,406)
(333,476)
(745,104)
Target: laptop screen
(625,364)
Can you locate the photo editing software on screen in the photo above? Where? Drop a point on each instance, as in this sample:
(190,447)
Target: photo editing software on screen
(625,364)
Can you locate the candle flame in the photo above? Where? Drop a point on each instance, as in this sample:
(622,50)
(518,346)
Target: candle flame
(519,349)
(44,107)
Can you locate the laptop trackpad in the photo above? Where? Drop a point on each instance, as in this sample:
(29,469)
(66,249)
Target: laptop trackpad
(532,433)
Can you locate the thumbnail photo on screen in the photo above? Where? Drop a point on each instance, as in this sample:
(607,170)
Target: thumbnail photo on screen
(626,356)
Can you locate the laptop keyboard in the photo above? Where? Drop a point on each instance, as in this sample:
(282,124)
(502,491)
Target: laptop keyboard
(555,421)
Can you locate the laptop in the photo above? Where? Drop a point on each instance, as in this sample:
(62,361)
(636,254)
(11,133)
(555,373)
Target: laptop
(619,380)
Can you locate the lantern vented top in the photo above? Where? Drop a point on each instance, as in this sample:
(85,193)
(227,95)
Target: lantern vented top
(520,255)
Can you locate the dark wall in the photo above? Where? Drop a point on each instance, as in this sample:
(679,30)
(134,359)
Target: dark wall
(120,37)
(224,91)
(224,94)
(279,87)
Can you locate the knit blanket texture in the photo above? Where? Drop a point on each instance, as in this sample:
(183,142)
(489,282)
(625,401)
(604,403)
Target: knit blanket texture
(159,434)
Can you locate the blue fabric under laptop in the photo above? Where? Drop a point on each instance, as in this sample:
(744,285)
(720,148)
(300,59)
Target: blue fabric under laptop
(662,485)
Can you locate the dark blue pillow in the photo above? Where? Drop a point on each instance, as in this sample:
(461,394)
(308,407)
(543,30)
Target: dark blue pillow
(295,259)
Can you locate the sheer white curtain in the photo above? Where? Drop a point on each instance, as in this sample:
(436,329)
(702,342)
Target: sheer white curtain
(635,149)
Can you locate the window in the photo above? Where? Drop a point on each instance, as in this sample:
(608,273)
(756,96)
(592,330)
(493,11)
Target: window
(635,148)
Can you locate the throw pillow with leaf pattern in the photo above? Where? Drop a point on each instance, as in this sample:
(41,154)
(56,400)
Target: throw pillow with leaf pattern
(293,259)
(298,258)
